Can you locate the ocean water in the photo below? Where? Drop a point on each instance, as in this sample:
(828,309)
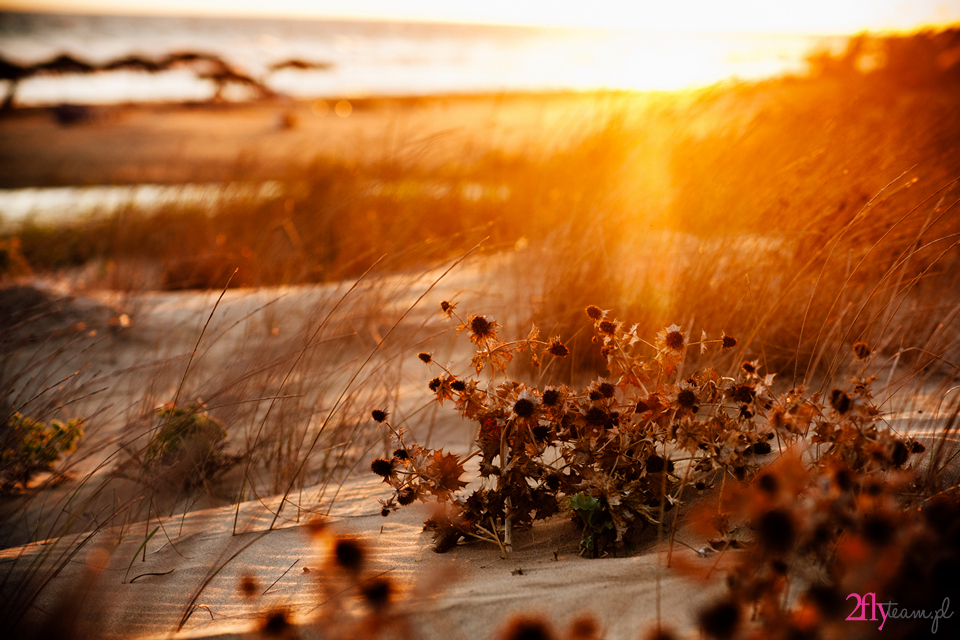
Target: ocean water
(385,58)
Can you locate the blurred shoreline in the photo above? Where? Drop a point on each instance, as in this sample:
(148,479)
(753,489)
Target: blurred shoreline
(381,58)
(164,143)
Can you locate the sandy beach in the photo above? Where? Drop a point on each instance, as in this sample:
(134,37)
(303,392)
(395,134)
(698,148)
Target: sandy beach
(469,593)
(186,580)
(187,571)
(236,418)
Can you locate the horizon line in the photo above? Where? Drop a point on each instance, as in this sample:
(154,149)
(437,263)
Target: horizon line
(18,7)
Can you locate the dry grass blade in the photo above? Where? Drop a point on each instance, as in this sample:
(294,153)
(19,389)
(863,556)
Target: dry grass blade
(353,378)
(189,609)
(833,245)
(309,343)
(193,352)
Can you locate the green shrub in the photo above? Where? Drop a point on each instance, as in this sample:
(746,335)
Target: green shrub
(188,443)
(596,522)
(32,446)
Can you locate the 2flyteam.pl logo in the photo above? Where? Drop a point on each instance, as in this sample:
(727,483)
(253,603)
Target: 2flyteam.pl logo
(892,610)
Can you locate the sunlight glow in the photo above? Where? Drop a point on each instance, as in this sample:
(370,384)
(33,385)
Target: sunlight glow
(627,44)
(808,16)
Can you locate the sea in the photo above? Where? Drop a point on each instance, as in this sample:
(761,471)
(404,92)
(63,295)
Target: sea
(371,58)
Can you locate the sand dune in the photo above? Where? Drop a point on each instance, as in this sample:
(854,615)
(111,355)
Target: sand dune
(193,573)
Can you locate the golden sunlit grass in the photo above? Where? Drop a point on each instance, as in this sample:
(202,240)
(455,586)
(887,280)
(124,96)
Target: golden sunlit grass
(807,226)
(765,208)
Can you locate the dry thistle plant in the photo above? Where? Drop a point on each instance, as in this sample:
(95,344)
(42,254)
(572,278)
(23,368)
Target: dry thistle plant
(620,452)
(841,507)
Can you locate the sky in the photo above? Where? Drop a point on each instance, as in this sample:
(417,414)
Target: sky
(766,16)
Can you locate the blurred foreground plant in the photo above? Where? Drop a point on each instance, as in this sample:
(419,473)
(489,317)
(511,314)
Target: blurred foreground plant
(619,452)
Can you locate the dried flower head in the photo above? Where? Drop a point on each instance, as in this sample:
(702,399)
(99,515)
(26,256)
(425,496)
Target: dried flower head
(607,327)
(674,339)
(656,464)
(481,328)
(606,389)
(596,417)
(317,527)
(762,448)
(551,397)
(377,592)
(843,478)
(743,393)
(660,633)
(552,480)
(558,349)
(379,415)
(840,401)
(728,342)
(458,385)
(425,357)
(248,586)
(524,408)
(585,628)
(406,496)
(401,454)
(594,312)
(862,350)
(642,406)
(749,367)
(348,554)
(435,384)
(382,467)
(276,623)
(721,619)
(687,399)
(874,487)
(769,483)
(900,453)
(776,531)
(526,628)
(447,308)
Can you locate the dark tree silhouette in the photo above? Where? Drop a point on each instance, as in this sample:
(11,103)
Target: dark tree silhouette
(207,66)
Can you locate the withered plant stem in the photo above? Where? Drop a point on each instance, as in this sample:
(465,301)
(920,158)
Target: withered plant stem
(176,396)
(508,505)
